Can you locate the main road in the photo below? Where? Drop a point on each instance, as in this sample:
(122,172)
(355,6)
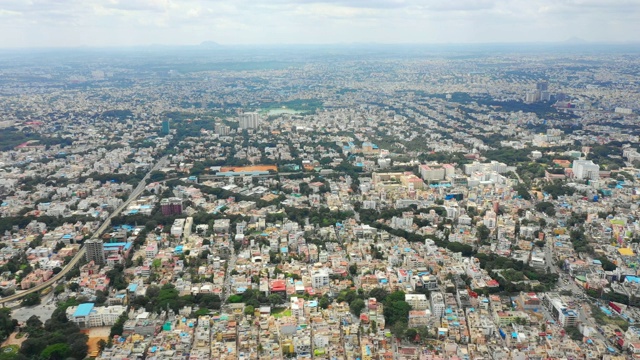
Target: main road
(134,195)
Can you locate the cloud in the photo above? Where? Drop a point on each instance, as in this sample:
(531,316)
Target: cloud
(130,22)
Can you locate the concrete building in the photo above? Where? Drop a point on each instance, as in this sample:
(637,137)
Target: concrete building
(95,251)
(319,278)
(417,301)
(171,206)
(249,121)
(87,315)
(437,304)
(222,130)
(585,169)
(433,172)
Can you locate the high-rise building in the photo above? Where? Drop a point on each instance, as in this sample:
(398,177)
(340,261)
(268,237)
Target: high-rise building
(222,130)
(171,206)
(249,120)
(165,127)
(95,251)
(542,86)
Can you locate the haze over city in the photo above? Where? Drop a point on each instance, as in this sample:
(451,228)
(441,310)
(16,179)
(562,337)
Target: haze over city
(319,180)
(72,23)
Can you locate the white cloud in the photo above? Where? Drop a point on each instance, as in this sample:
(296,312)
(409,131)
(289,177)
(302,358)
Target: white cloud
(131,22)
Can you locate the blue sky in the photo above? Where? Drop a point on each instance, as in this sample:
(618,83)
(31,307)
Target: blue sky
(63,23)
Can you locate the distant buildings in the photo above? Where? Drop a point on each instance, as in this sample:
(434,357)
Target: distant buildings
(498,167)
(541,93)
(249,121)
(432,172)
(222,130)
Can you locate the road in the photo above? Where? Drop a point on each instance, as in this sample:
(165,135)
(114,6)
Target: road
(134,194)
(584,315)
(231,264)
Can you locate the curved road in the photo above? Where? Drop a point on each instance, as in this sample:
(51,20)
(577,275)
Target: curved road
(134,194)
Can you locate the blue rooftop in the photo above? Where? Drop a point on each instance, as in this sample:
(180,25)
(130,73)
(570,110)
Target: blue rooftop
(83,309)
(132,287)
(126,245)
(634,279)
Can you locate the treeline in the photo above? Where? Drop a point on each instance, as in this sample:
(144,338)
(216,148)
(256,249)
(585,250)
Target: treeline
(58,338)
(322,216)
(8,223)
(158,299)
(490,262)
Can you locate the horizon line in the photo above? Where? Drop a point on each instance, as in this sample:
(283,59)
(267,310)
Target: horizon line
(210,45)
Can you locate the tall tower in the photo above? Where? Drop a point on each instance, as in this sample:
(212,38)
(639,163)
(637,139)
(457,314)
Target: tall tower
(95,251)
(249,120)
(542,86)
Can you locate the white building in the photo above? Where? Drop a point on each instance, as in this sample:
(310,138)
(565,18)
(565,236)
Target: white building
(87,315)
(319,278)
(417,301)
(151,250)
(585,169)
(436,171)
(249,120)
(178,227)
(437,304)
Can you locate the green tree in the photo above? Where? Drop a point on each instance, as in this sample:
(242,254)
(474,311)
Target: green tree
(482,232)
(379,293)
(353,269)
(275,299)
(356,306)
(57,351)
(102,345)
(324,302)
(31,299)
(411,334)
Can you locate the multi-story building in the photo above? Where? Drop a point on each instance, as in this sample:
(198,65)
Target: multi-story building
(437,304)
(222,130)
(171,206)
(560,311)
(585,169)
(417,301)
(319,278)
(249,120)
(87,315)
(178,227)
(95,251)
(436,171)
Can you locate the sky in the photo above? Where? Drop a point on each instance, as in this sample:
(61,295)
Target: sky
(107,23)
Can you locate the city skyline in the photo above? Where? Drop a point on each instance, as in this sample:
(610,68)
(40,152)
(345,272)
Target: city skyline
(72,23)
